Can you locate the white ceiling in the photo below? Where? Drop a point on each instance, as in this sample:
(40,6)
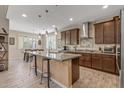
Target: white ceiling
(57,15)
(3,11)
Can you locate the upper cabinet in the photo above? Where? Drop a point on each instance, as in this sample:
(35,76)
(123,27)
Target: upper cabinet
(63,37)
(117,29)
(74,36)
(107,32)
(99,33)
(70,37)
(118,33)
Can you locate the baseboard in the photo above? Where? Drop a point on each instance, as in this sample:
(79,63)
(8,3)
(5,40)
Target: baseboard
(61,85)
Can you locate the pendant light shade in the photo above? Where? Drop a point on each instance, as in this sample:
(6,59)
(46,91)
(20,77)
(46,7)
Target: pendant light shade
(39,36)
(46,33)
(56,31)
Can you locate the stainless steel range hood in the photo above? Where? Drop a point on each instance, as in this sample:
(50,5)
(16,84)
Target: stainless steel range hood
(85,31)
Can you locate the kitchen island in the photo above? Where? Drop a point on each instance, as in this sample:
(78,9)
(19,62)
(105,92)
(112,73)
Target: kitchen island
(62,68)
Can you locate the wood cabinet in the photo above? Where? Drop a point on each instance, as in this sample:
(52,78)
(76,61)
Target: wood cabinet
(97,61)
(108,63)
(74,36)
(70,37)
(75,69)
(68,41)
(81,61)
(102,62)
(118,33)
(85,60)
(117,29)
(99,33)
(109,33)
(63,38)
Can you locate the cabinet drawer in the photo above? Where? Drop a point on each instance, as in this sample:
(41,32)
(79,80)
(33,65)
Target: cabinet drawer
(96,55)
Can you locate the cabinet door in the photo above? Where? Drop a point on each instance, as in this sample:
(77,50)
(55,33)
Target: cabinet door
(108,33)
(74,36)
(68,41)
(108,63)
(118,32)
(96,61)
(82,61)
(99,33)
(86,60)
(75,69)
(63,38)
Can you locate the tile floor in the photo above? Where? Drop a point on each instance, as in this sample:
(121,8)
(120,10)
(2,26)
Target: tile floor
(18,77)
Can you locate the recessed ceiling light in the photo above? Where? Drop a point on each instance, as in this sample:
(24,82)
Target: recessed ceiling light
(105,6)
(71,19)
(24,15)
(53,26)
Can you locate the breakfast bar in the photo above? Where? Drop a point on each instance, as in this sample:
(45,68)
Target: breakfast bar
(61,67)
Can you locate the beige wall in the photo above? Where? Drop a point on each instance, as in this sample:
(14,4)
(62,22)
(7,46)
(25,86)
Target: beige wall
(3,11)
(4,23)
(14,52)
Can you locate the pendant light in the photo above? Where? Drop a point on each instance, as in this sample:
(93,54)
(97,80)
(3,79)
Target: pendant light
(56,31)
(39,35)
(46,11)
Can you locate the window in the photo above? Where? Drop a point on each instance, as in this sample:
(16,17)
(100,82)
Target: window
(51,41)
(25,42)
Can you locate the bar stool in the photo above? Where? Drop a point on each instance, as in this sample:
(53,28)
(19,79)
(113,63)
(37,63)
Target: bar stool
(24,57)
(30,61)
(42,70)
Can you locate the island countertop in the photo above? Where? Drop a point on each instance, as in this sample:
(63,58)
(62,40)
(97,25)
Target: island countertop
(55,56)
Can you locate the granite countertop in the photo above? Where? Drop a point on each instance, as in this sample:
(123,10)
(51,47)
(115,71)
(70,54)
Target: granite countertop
(87,51)
(56,56)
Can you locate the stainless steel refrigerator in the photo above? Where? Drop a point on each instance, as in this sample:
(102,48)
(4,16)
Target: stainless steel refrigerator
(122,50)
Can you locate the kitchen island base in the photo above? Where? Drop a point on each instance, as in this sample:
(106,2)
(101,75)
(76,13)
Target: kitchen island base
(66,72)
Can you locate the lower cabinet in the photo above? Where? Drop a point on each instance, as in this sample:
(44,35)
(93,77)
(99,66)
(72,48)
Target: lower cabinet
(85,60)
(108,63)
(101,62)
(97,61)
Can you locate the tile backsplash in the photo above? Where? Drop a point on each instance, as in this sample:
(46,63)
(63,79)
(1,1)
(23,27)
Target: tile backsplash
(86,43)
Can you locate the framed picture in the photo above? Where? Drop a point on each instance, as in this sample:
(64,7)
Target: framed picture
(12,41)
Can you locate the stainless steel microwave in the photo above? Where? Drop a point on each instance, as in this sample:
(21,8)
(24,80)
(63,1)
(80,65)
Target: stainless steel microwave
(109,50)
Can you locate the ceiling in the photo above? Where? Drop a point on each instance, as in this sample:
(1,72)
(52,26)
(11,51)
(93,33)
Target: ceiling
(3,11)
(57,15)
